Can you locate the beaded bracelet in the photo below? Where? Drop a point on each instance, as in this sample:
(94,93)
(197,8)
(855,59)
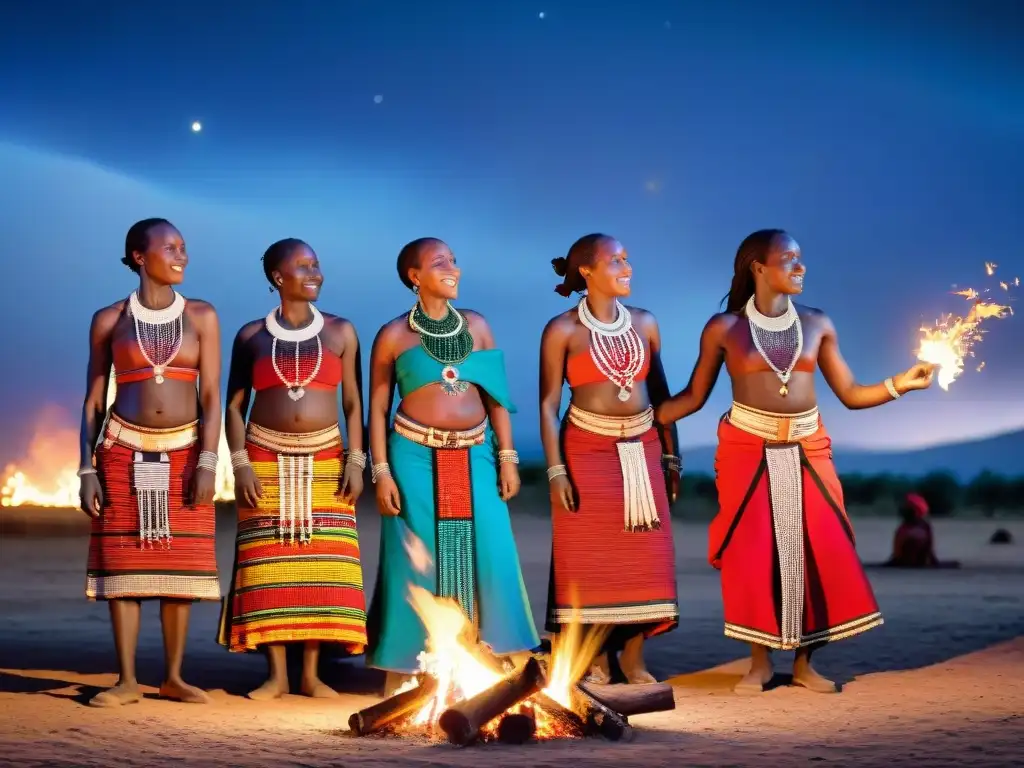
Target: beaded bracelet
(378,470)
(86,471)
(356,457)
(558,470)
(207,461)
(891,386)
(508,456)
(240,459)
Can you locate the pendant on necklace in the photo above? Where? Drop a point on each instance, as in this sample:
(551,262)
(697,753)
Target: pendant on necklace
(158,374)
(451,384)
(624,393)
(784,390)
(296,394)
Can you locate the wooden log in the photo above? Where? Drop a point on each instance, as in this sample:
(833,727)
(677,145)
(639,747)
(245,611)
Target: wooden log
(516,728)
(601,719)
(629,700)
(462,722)
(393,709)
(567,722)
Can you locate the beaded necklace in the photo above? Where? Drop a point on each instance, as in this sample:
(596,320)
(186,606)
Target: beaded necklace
(616,348)
(448,341)
(158,332)
(302,358)
(779,340)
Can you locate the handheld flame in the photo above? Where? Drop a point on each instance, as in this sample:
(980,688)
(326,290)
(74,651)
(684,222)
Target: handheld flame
(952,338)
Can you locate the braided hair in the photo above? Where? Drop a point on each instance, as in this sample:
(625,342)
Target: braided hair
(582,254)
(137,241)
(753,250)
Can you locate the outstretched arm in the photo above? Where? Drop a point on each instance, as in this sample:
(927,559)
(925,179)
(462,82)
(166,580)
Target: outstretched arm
(856,396)
(704,375)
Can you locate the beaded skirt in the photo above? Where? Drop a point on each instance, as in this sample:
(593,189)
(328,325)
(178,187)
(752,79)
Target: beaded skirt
(297,575)
(149,541)
(450,502)
(790,572)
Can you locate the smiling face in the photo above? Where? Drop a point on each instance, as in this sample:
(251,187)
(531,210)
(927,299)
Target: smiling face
(610,272)
(165,257)
(298,276)
(436,273)
(783,269)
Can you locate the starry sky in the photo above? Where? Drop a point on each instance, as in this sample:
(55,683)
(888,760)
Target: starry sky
(887,137)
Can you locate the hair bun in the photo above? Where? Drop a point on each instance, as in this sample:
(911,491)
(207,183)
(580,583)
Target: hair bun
(563,290)
(560,265)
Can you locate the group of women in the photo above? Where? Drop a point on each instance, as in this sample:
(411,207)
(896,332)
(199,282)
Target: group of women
(444,466)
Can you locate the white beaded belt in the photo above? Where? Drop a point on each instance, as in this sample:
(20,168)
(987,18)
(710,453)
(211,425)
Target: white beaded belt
(293,443)
(431,437)
(149,440)
(611,426)
(774,427)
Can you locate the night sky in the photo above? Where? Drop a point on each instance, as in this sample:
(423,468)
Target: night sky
(887,137)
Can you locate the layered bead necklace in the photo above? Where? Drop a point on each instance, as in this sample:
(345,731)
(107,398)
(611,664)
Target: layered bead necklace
(448,341)
(779,340)
(158,332)
(616,348)
(304,358)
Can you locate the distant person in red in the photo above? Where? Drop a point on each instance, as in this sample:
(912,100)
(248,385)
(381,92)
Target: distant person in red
(914,543)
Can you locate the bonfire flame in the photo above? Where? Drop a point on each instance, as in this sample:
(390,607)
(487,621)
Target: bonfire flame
(952,338)
(48,474)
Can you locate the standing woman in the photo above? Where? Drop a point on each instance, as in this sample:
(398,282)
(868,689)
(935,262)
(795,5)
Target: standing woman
(791,578)
(149,484)
(612,473)
(445,469)
(297,576)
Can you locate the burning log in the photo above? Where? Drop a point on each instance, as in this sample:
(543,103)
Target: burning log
(567,722)
(462,722)
(516,728)
(601,719)
(393,709)
(630,700)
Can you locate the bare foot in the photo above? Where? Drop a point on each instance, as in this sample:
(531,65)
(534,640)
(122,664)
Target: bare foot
(318,689)
(760,674)
(599,672)
(807,676)
(394,681)
(120,694)
(179,690)
(272,689)
(631,661)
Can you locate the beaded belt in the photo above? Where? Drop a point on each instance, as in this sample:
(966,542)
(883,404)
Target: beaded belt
(439,438)
(147,439)
(293,443)
(611,426)
(774,427)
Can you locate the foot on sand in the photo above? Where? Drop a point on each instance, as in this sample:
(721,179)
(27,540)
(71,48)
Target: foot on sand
(631,662)
(807,676)
(318,689)
(178,690)
(599,672)
(270,690)
(756,679)
(120,694)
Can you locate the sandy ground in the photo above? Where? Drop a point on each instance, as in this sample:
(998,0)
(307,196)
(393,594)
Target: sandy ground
(942,683)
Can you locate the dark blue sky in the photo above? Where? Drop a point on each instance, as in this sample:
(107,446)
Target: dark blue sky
(888,137)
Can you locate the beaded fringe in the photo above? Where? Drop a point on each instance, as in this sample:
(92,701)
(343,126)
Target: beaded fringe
(295,477)
(640,510)
(785,483)
(152,480)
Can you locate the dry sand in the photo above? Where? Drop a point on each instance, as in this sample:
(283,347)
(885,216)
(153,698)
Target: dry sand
(942,683)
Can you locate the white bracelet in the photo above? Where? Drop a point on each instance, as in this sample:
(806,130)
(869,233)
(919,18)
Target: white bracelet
(557,471)
(86,471)
(378,470)
(240,459)
(356,457)
(891,386)
(509,457)
(207,461)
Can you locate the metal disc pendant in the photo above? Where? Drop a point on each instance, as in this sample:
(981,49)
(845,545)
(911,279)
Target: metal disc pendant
(158,374)
(624,394)
(296,394)
(158,379)
(784,390)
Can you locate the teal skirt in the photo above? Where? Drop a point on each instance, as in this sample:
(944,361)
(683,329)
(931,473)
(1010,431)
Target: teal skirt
(450,501)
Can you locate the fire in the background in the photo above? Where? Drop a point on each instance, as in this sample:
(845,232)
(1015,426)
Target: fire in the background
(952,338)
(47,475)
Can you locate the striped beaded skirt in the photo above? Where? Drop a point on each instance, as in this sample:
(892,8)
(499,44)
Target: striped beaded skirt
(448,484)
(148,541)
(613,558)
(297,575)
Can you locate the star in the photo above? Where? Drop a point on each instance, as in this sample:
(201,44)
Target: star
(197,127)
(541,15)
(378,98)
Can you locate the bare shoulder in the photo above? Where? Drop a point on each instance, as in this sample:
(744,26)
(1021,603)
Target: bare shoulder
(721,323)
(247,331)
(339,325)
(561,326)
(200,309)
(108,315)
(476,320)
(392,330)
(814,316)
(642,318)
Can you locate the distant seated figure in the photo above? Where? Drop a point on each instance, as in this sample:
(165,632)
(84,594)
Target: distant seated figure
(914,543)
(1001,536)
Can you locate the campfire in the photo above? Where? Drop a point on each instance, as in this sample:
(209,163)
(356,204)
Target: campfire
(464,694)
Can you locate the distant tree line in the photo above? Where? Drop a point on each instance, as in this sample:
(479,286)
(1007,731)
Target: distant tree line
(987,492)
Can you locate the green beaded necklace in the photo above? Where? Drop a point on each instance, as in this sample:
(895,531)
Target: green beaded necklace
(447,340)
